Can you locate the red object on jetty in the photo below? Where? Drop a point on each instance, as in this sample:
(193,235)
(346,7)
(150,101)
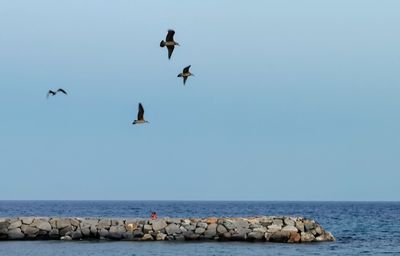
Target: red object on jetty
(153,216)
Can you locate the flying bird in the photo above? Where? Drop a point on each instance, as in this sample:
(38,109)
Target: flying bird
(52,93)
(169,42)
(140,116)
(185,74)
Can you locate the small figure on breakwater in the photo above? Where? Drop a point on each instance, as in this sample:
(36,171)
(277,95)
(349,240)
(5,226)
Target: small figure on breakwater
(153,216)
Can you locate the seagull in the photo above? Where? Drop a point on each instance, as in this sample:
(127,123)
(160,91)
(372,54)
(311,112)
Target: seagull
(185,74)
(140,116)
(52,93)
(169,42)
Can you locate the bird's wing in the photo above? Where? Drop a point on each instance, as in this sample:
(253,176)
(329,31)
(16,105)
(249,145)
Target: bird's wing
(170,36)
(184,80)
(170,50)
(185,70)
(62,90)
(140,112)
(50,92)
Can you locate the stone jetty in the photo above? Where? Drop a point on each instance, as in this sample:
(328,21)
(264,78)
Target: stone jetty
(264,228)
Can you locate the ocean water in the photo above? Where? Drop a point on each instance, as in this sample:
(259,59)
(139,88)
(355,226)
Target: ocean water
(361,228)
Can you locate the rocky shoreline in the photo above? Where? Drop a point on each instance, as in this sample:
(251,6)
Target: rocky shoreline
(278,229)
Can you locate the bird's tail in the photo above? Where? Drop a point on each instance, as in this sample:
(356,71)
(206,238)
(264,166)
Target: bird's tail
(180,75)
(162,43)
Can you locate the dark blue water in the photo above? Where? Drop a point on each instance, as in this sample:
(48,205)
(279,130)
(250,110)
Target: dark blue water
(366,228)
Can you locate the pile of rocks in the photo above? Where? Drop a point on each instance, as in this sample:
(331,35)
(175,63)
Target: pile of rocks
(272,229)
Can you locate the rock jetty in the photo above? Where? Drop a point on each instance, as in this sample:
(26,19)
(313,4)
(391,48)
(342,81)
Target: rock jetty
(266,228)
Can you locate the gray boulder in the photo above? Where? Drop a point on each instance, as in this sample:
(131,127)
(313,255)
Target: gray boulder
(54,234)
(103,233)
(279,237)
(147,237)
(104,224)
(307,237)
(62,223)
(199,230)
(161,237)
(221,229)
(27,220)
(290,229)
(158,224)
(15,234)
(172,229)
(15,224)
(65,230)
(116,232)
(255,236)
(29,231)
(76,235)
(41,224)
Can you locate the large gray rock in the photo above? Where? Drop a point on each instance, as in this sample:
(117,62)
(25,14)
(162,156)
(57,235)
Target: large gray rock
(65,230)
(279,237)
(29,231)
(104,224)
(172,229)
(75,222)
(190,235)
(41,224)
(158,224)
(278,222)
(290,229)
(93,230)
(76,235)
(308,225)
(27,220)
(229,225)
(85,231)
(255,236)
(289,222)
(62,223)
(221,229)
(262,229)
(103,233)
(241,224)
(4,228)
(88,223)
(147,228)
(138,233)
(307,237)
(15,224)
(173,220)
(127,235)
(199,231)
(116,232)
(161,237)
(15,234)
(202,225)
(211,231)
(54,234)
(147,237)
(274,228)
(300,226)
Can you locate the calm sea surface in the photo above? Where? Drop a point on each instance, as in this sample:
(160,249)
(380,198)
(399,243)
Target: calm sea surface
(361,228)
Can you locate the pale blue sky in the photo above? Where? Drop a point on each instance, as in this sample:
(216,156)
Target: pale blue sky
(292,100)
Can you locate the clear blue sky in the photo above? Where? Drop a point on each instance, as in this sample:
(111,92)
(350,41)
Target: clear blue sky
(292,100)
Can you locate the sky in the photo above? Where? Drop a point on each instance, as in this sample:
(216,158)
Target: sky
(292,100)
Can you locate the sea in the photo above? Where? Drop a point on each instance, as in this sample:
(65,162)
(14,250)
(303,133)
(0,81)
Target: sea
(361,228)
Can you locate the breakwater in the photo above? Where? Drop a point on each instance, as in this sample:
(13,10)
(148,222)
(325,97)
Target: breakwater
(279,229)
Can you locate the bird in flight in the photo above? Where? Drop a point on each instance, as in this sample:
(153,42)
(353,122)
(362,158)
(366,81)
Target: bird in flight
(169,42)
(185,74)
(140,116)
(52,93)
